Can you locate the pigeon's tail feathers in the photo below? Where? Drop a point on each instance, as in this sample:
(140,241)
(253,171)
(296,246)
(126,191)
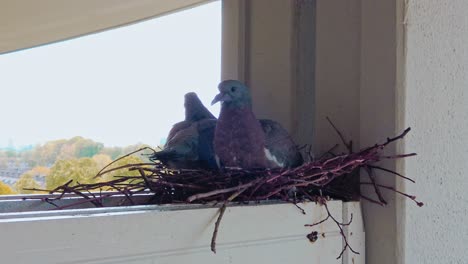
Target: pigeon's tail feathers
(164,156)
(194,108)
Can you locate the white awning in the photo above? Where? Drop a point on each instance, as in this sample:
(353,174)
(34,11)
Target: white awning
(29,23)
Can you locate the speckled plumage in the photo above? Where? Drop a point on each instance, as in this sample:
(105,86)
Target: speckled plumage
(239,140)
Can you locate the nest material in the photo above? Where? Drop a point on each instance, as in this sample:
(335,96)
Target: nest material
(313,181)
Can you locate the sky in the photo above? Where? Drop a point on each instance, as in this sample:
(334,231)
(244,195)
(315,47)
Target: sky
(119,87)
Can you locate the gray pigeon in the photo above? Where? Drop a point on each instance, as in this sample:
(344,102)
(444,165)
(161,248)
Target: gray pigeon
(240,140)
(194,111)
(189,143)
(281,147)
(190,148)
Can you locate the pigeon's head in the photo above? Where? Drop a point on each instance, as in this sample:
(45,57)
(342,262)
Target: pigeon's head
(233,93)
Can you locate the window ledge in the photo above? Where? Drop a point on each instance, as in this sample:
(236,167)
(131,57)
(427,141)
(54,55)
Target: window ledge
(262,233)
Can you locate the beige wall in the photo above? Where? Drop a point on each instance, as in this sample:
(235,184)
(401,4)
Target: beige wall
(382,66)
(356,73)
(272,50)
(436,85)
(41,22)
(337,71)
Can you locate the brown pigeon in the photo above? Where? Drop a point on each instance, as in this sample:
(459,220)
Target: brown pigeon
(241,140)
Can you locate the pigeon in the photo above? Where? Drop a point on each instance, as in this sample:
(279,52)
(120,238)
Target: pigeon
(189,143)
(240,140)
(194,111)
(281,148)
(190,148)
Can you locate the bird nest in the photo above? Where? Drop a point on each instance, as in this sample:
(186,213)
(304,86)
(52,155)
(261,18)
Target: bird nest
(330,176)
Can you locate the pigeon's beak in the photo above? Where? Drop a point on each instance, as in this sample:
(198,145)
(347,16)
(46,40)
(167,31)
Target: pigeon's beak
(221,97)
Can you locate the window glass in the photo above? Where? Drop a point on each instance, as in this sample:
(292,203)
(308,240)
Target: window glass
(82,102)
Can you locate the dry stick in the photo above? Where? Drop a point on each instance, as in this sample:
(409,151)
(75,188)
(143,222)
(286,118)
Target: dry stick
(143,175)
(402,135)
(220,216)
(349,145)
(340,226)
(392,172)
(124,156)
(215,192)
(93,201)
(83,201)
(215,232)
(329,152)
(399,156)
(412,197)
(374,183)
(371,200)
(125,193)
(122,167)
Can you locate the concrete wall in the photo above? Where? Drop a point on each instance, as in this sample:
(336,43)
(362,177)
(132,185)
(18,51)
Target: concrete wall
(60,20)
(337,71)
(382,66)
(356,81)
(272,50)
(436,103)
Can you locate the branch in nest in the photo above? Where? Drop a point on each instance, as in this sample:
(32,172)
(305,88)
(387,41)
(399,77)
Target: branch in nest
(220,216)
(101,172)
(412,197)
(170,186)
(348,145)
(376,188)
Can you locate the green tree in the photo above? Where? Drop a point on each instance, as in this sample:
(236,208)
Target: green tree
(125,171)
(102,160)
(85,147)
(26,181)
(80,170)
(5,189)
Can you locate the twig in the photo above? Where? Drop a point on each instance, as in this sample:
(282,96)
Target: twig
(411,197)
(124,156)
(220,216)
(392,172)
(340,225)
(349,146)
(215,232)
(376,188)
(216,192)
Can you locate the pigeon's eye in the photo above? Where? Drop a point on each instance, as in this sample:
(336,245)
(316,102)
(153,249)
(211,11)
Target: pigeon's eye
(233,89)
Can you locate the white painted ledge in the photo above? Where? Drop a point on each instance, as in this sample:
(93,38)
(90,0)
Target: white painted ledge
(267,233)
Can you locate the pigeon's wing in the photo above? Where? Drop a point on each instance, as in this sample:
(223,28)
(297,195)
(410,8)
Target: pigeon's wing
(176,128)
(181,150)
(206,153)
(194,108)
(191,147)
(280,149)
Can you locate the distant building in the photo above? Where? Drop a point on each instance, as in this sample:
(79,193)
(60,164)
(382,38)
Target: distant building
(12,172)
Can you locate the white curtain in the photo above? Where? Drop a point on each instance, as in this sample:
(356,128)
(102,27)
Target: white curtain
(29,23)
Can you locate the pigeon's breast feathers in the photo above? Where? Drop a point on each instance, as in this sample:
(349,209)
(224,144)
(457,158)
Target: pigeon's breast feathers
(239,140)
